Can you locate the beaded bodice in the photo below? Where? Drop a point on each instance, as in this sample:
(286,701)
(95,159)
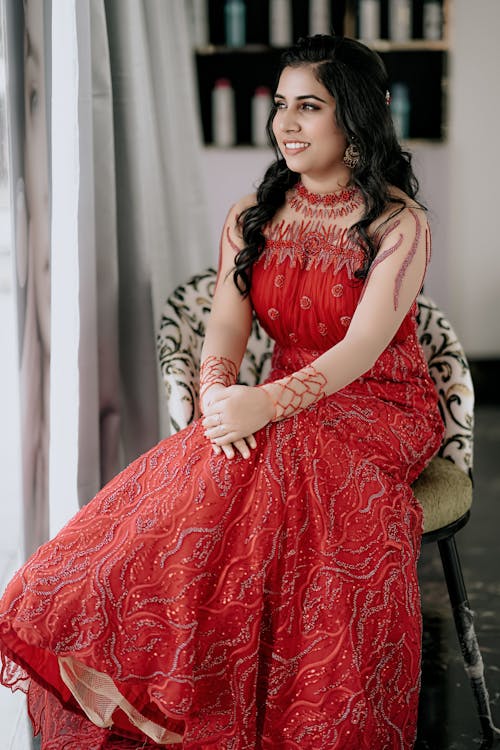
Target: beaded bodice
(304,287)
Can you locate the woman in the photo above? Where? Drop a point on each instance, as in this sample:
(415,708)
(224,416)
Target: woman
(250,582)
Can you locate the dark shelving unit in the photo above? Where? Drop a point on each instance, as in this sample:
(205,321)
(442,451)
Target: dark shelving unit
(421,64)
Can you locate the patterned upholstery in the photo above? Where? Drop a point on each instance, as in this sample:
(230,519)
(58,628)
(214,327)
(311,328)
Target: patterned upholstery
(450,371)
(179,342)
(444,488)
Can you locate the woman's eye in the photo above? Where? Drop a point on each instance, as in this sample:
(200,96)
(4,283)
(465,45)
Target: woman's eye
(305,106)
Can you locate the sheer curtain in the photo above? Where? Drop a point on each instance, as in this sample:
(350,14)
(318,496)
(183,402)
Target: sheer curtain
(127,223)
(141,225)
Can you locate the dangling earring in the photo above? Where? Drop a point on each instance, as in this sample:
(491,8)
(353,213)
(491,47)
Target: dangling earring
(351,156)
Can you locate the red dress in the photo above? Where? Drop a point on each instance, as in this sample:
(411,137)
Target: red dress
(264,603)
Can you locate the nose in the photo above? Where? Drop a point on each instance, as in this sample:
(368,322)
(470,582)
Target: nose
(288,121)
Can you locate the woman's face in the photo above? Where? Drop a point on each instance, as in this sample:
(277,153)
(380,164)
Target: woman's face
(305,126)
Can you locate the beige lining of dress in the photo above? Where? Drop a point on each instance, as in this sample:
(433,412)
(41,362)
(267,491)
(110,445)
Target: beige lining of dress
(98,697)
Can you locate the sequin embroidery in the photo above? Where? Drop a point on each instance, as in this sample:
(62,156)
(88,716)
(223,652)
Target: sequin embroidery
(313,245)
(266,602)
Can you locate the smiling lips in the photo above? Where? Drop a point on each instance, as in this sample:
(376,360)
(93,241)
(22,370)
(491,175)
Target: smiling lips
(295,147)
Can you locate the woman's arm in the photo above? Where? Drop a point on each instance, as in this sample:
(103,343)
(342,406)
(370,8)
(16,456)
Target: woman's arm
(394,280)
(229,324)
(230,320)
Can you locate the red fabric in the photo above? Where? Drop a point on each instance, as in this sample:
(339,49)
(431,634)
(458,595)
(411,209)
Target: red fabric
(263,603)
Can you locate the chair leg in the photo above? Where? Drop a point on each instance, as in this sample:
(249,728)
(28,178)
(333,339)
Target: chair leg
(464,624)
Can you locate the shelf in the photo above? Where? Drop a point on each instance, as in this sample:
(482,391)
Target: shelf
(412,45)
(222,49)
(421,64)
(380,45)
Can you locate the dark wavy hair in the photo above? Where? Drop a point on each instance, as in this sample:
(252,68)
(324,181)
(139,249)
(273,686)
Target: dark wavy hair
(356,78)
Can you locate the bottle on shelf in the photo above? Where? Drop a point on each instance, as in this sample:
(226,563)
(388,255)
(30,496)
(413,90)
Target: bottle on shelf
(261,107)
(198,22)
(280,23)
(369,19)
(400,110)
(400,20)
(235,23)
(432,21)
(319,17)
(223,114)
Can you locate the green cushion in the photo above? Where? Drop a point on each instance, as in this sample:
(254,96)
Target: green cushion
(444,492)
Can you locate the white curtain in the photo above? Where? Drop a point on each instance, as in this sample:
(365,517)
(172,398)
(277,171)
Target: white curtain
(140,228)
(127,223)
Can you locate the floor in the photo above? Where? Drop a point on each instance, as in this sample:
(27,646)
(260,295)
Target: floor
(447,720)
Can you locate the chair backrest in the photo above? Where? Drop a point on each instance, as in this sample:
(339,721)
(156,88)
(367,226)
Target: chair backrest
(450,372)
(180,338)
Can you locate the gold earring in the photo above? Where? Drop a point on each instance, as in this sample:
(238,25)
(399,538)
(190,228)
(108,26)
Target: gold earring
(351,156)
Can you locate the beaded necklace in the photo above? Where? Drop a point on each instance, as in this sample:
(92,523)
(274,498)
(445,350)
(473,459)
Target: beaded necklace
(328,206)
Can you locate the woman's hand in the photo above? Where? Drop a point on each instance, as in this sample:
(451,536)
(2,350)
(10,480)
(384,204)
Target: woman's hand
(242,446)
(209,395)
(233,414)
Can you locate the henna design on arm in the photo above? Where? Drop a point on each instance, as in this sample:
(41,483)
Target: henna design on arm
(295,392)
(406,260)
(217,371)
(232,243)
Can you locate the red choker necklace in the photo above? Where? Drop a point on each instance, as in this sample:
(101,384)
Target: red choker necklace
(328,199)
(329,205)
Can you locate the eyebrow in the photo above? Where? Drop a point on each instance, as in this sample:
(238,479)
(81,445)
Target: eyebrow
(300,98)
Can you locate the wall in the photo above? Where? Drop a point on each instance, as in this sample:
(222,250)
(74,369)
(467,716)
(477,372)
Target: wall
(457,183)
(474,244)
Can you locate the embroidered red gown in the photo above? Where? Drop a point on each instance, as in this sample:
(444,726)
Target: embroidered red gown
(240,604)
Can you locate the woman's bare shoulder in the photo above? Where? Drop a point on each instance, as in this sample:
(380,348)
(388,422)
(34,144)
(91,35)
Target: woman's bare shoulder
(244,203)
(401,208)
(239,208)
(402,200)
(232,225)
